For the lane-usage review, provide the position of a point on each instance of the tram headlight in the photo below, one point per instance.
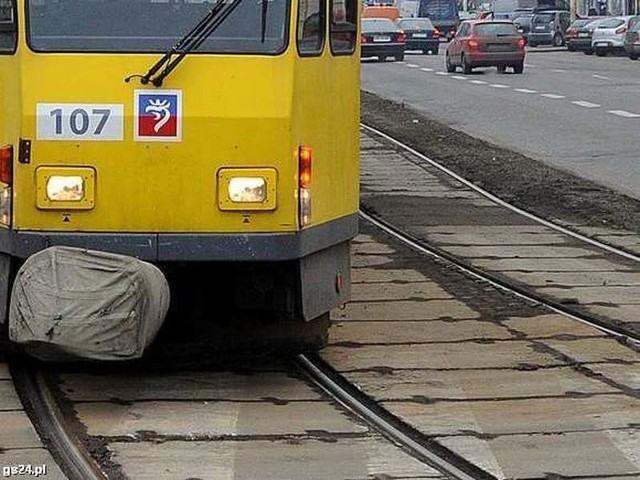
(65, 188)
(247, 189)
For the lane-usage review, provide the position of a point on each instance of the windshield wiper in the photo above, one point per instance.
(191, 41)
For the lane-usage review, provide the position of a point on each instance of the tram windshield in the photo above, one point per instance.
(152, 26)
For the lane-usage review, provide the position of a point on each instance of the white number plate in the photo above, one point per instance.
(80, 121)
(419, 35)
(381, 38)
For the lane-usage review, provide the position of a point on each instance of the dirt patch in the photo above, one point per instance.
(527, 183)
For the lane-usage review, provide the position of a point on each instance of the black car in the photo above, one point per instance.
(382, 38)
(548, 27)
(522, 21)
(421, 34)
(580, 38)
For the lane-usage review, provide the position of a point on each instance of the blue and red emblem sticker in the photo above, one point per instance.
(158, 115)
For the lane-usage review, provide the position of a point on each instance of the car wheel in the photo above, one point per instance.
(382, 58)
(501, 68)
(466, 67)
(588, 52)
(558, 41)
(633, 56)
(571, 48)
(518, 67)
(601, 52)
(399, 57)
(451, 68)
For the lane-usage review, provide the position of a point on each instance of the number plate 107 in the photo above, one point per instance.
(82, 121)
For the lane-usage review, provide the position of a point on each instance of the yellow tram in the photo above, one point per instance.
(216, 139)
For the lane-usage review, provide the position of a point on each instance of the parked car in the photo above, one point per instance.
(584, 34)
(522, 22)
(609, 35)
(548, 27)
(382, 38)
(571, 33)
(486, 43)
(632, 38)
(421, 35)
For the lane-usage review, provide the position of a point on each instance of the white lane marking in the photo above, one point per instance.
(558, 70)
(411, 65)
(622, 113)
(478, 82)
(427, 69)
(529, 66)
(498, 85)
(601, 77)
(553, 96)
(525, 90)
(442, 73)
(458, 77)
(585, 104)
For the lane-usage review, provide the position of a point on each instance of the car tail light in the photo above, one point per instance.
(472, 43)
(6, 164)
(305, 159)
(521, 42)
(436, 33)
(363, 38)
(401, 38)
(621, 30)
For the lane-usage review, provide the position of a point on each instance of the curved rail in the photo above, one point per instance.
(34, 392)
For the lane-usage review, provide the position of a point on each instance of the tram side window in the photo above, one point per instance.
(8, 28)
(344, 26)
(311, 26)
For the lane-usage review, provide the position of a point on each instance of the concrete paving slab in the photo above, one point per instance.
(17, 431)
(495, 239)
(523, 251)
(408, 291)
(364, 238)
(531, 415)
(371, 249)
(369, 260)
(551, 265)
(269, 460)
(584, 455)
(213, 418)
(622, 313)
(543, 326)
(512, 354)
(620, 374)
(8, 396)
(477, 384)
(406, 310)
(36, 457)
(598, 350)
(186, 386)
(509, 230)
(577, 279)
(415, 332)
(378, 275)
(4, 372)
(589, 295)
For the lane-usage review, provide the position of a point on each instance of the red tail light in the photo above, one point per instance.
(305, 158)
(621, 30)
(472, 43)
(6, 164)
(436, 33)
(521, 42)
(363, 38)
(401, 38)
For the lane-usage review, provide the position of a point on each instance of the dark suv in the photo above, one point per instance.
(632, 39)
(548, 27)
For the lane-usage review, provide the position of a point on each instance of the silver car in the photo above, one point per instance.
(609, 35)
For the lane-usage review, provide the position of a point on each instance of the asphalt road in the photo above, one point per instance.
(576, 112)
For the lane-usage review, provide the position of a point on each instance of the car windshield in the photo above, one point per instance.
(634, 24)
(487, 29)
(378, 25)
(611, 23)
(543, 18)
(416, 24)
(151, 26)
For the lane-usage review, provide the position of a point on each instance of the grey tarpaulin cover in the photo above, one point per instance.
(85, 303)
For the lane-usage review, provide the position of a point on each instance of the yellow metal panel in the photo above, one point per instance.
(225, 175)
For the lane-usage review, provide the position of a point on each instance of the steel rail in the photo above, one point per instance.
(34, 392)
(567, 231)
(416, 443)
